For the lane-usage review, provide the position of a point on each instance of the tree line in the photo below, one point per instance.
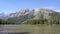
(2, 21)
(52, 20)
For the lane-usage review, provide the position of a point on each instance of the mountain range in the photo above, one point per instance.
(25, 14)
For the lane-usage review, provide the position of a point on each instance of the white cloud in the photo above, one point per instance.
(49, 7)
(52, 8)
(57, 10)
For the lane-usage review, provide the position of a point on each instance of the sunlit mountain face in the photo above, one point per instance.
(25, 14)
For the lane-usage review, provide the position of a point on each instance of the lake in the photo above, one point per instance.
(29, 29)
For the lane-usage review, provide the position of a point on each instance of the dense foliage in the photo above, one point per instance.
(52, 20)
(35, 21)
(5, 22)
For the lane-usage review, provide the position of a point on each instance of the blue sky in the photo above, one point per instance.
(9, 6)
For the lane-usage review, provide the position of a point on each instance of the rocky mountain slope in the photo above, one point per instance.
(25, 14)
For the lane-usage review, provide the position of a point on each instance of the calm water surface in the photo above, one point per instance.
(9, 29)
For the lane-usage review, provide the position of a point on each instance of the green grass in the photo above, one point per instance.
(33, 29)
